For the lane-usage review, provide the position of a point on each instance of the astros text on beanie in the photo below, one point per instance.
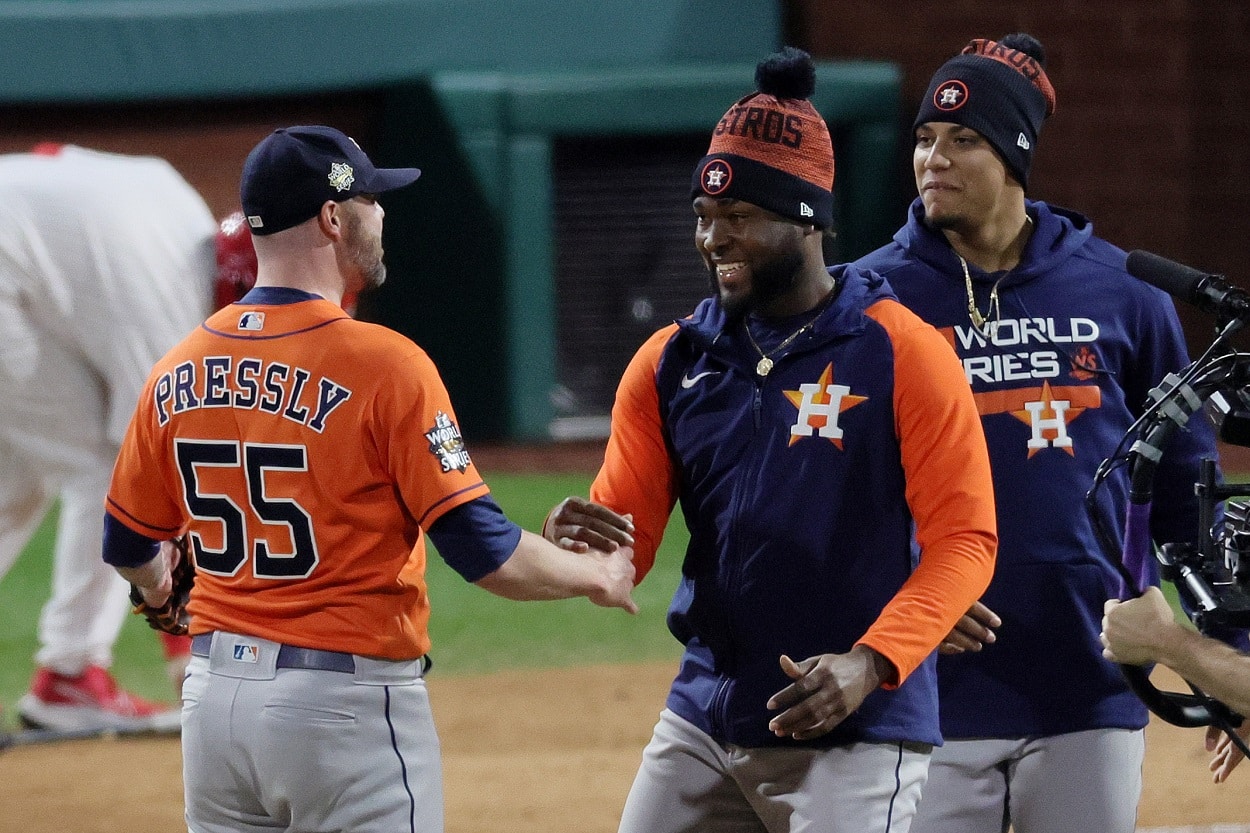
(772, 148)
(999, 90)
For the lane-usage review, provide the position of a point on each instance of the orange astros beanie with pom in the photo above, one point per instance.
(771, 148)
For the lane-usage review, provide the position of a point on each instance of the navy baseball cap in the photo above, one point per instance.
(296, 170)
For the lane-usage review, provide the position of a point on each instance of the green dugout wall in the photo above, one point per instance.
(551, 228)
(486, 252)
(135, 50)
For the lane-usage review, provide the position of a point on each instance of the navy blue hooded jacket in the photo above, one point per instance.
(801, 490)
(1059, 374)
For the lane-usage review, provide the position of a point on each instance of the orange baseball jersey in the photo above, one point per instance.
(304, 453)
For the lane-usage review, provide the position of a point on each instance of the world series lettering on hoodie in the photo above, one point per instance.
(1012, 349)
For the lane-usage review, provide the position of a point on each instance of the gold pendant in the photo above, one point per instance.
(764, 365)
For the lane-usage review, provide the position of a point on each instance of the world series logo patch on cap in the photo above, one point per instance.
(950, 96)
(341, 176)
(716, 176)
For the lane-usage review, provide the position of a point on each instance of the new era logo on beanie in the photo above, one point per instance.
(771, 148)
(1000, 90)
(296, 170)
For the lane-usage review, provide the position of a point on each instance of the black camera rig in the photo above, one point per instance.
(1212, 574)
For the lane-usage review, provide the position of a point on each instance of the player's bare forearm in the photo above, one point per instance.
(154, 579)
(539, 570)
(826, 690)
(1145, 630)
(1219, 670)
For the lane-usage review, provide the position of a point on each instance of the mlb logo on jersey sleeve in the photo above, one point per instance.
(251, 320)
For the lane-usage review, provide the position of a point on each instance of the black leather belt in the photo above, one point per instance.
(290, 656)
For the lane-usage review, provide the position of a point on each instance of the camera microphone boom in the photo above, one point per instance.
(1207, 292)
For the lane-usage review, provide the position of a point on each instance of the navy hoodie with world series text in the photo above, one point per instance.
(1061, 369)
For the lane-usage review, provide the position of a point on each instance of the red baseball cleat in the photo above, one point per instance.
(92, 700)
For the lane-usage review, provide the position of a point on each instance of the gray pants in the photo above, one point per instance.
(269, 749)
(688, 782)
(1057, 784)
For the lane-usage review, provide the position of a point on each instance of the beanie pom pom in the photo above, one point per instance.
(1026, 43)
(789, 73)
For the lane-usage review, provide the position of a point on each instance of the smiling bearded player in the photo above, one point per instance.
(808, 424)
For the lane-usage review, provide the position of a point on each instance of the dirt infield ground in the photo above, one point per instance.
(524, 752)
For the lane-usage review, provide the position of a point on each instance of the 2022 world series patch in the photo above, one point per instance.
(447, 445)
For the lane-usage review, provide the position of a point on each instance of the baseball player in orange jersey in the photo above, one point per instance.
(306, 455)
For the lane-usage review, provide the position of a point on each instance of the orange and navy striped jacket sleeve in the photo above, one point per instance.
(638, 475)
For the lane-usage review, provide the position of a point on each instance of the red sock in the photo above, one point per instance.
(175, 646)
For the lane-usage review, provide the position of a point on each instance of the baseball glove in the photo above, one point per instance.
(171, 617)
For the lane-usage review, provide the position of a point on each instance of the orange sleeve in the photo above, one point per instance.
(138, 494)
(638, 476)
(419, 438)
(949, 491)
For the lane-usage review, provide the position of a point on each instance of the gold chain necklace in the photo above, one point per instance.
(978, 319)
(765, 365)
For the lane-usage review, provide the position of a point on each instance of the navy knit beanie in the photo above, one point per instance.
(999, 90)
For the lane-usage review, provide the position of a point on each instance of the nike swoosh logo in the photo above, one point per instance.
(689, 381)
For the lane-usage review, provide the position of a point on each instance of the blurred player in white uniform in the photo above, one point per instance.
(106, 261)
